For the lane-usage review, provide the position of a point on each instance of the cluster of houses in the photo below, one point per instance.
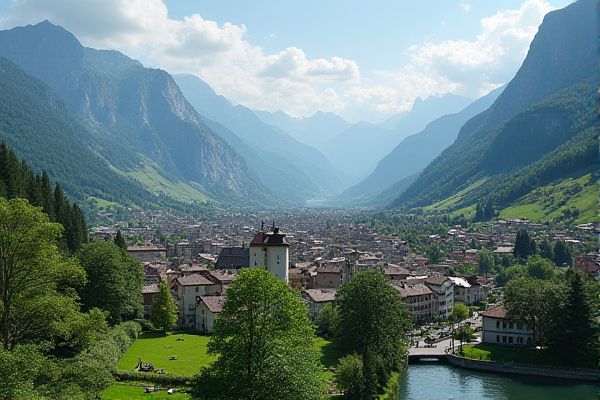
(200, 288)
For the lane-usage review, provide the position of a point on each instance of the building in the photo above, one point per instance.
(326, 277)
(148, 293)
(188, 291)
(147, 253)
(419, 299)
(497, 328)
(443, 292)
(233, 257)
(207, 312)
(271, 250)
(316, 299)
(468, 290)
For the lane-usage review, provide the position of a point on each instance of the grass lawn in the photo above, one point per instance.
(492, 352)
(124, 391)
(157, 349)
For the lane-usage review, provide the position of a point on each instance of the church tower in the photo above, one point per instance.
(271, 250)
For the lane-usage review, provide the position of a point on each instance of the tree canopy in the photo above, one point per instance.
(373, 323)
(115, 281)
(163, 314)
(265, 343)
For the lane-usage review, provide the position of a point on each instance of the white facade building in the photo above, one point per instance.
(498, 329)
(271, 250)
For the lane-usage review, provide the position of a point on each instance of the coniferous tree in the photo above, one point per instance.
(546, 249)
(163, 314)
(563, 254)
(522, 245)
(120, 240)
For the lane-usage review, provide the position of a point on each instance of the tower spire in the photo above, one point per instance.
(262, 226)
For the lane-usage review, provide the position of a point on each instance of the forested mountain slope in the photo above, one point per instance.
(549, 102)
(139, 119)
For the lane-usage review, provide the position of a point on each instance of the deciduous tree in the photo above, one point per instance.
(265, 344)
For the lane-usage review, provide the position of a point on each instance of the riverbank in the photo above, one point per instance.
(578, 374)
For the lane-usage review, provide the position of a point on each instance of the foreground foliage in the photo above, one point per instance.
(372, 333)
(265, 344)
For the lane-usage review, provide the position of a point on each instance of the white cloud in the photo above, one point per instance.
(492, 57)
(290, 80)
(466, 7)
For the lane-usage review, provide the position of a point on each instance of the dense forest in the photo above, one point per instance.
(17, 180)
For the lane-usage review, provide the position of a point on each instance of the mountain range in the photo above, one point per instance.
(111, 130)
(282, 163)
(413, 154)
(137, 119)
(541, 128)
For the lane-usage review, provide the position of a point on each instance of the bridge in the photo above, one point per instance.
(422, 353)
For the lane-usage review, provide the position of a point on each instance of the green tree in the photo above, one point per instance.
(459, 312)
(265, 344)
(373, 324)
(573, 336)
(349, 377)
(546, 249)
(115, 281)
(485, 261)
(163, 314)
(328, 319)
(563, 254)
(522, 245)
(540, 268)
(119, 240)
(32, 303)
(434, 253)
(19, 369)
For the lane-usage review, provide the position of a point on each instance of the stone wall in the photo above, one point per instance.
(588, 375)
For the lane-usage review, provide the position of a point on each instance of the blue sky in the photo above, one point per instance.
(362, 60)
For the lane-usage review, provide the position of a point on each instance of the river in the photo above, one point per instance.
(442, 382)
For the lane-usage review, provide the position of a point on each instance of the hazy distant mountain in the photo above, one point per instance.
(141, 122)
(295, 170)
(359, 148)
(315, 130)
(424, 111)
(542, 127)
(415, 152)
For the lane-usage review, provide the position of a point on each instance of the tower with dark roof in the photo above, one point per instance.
(271, 250)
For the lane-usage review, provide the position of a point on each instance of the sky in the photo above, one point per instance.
(364, 60)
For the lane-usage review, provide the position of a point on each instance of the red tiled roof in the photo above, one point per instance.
(495, 312)
(194, 280)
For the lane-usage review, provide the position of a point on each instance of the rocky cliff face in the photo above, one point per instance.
(135, 114)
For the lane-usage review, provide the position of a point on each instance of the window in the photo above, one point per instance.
(519, 340)
(197, 289)
(498, 324)
(503, 339)
(504, 325)
(510, 339)
(511, 325)
(498, 338)
(520, 326)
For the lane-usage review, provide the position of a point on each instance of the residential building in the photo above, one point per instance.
(188, 290)
(443, 292)
(316, 299)
(419, 299)
(147, 253)
(207, 312)
(497, 328)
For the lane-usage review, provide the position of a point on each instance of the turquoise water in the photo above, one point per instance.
(443, 382)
